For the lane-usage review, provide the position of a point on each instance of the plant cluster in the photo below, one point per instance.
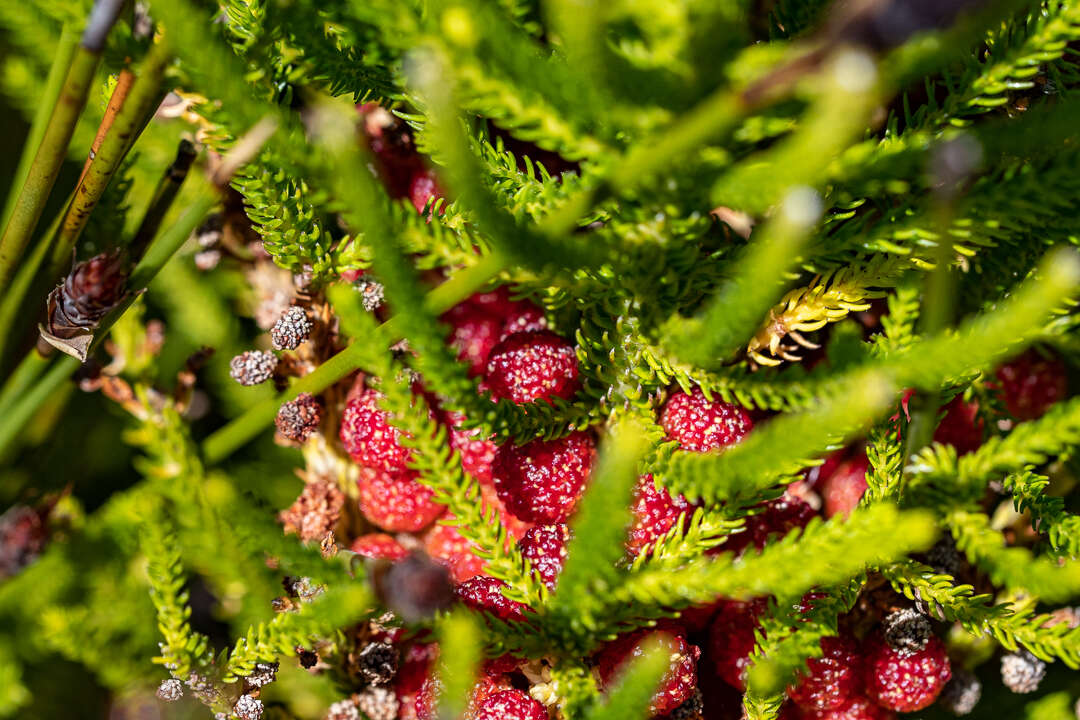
(544, 360)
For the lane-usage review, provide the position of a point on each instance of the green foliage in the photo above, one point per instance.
(699, 195)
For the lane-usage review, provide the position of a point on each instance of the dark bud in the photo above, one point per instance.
(907, 631)
(378, 663)
(962, 693)
(885, 24)
(414, 588)
(298, 418)
(77, 306)
(211, 231)
(23, 534)
(945, 558)
(253, 367)
(291, 329)
(308, 658)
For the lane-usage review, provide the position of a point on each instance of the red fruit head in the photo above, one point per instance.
(544, 546)
(832, 680)
(654, 513)
(367, 435)
(485, 593)
(510, 705)
(378, 545)
(1031, 384)
(844, 488)
(449, 548)
(397, 503)
(902, 681)
(678, 683)
(701, 425)
(541, 481)
(530, 366)
(731, 639)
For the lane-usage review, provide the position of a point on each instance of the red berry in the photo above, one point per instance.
(416, 663)
(485, 593)
(777, 518)
(678, 683)
(367, 435)
(961, 427)
(545, 548)
(515, 526)
(397, 502)
(844, 488)
(378, 545)
(449, 548)
(474, 332)
(905, 681)
(701, 425)
(655, 511)
(476, 452)
(427, 699)
(1031, 384)
(529, 366)
(541, 481)
(731, 639)
(523, 317)
(833, 679)
(510, 705)
(858, 708)
(424, 188)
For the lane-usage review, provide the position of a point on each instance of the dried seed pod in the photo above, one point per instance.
(170, 690)
(253, 367)
(907, 631)
(378, 703)
(962, 693)
(1022, 672)
(248, 708)
(291, 329)
(378, 662)
(298, 418)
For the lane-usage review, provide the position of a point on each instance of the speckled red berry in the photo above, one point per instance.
(858, 708)
(473, 333)
(1031, 384)
(396, 502)
(775, 519)
(843, 489)
(446, 545)
(832, 680)
(655, 511)
(510, 705)
(530, 366)
(678, 683)
(701, 425)
(961, 427)
(544, 547)
(522, 317)
(485, 593)
(424, 188)
(541, 481)
(477, 452)
(378, 545)
(901, 681)
(731, 639)
(367, 435)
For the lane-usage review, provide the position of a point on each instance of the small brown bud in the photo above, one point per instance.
(298, 418)
(291, 329)
(253, 367)
(170, 690)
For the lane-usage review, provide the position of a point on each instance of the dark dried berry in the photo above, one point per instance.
(378, 662)
(308, 658)
(316, 512)
(1022, 672)
(962, 693)
(300, 417)
(170, 690)
(692, 709)
(248, 708)
(253, 367)
(23, 534)
(291, 329)
(906, 631)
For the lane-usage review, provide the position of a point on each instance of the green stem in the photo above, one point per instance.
(47, 162)
(65, 51)
(20, 413)
(226, 440)
(164, 195)
(166, 244)
(24, 376)
(119, 138)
